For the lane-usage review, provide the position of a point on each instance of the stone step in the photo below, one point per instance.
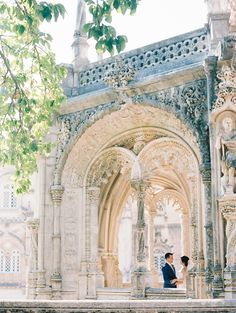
(167, 293)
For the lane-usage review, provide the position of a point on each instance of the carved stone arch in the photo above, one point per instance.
(115, 124)
(170, 193)
(109, 161)
(172, 157)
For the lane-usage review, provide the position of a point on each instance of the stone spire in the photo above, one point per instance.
(80, 44)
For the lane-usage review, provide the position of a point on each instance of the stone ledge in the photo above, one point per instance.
(112, 306)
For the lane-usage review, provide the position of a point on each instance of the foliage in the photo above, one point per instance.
(100, 28)
(30, 80)
(30, 85)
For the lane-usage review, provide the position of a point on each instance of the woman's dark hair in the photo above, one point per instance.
(185, 260)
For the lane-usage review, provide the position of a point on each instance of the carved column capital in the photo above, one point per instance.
(228, 209)
(93, 194)
(205, 170)
(56, 192)
(139, 186)
(33, 224)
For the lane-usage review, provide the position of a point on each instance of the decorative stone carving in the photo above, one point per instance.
(228, 209)
(33, 225)
(112, 161)
(226, 144)
(120, 75)
(56, 193)
(227, 47)
(227, 87)
(185, 102)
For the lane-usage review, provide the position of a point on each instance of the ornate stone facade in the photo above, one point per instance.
(152, 132)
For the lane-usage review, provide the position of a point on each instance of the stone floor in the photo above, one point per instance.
(119, 306)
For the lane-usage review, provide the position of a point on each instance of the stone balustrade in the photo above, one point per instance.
(192, 45)
(119, 306)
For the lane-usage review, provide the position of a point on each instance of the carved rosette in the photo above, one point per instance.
(226, 88)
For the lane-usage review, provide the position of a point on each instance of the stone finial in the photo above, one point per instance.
(80, 44)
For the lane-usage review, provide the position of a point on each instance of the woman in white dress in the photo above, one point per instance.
(183, 272)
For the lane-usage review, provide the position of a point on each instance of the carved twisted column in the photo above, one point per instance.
(33, 226)
(217, 284)
(56, 279)
(228, 210)
(139, 276)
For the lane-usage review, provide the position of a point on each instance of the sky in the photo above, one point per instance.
(154, 20)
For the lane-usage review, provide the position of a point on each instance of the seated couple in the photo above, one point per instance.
(169, 274)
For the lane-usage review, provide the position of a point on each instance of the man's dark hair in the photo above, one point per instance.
(168, 254)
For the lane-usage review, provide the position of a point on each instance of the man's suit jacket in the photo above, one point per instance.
(168, 275)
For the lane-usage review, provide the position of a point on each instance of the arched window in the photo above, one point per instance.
(10, 262)
(8, 198)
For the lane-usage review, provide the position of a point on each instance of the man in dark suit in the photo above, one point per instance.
(168, 271)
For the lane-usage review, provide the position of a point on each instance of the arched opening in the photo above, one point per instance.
(135, 145)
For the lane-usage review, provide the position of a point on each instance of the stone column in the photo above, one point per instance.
(217, 283)
(43, 291)
(56, 278)
(228, 209)
(94, 276)
(140, 276)
(206, 179)
(154, 275)
(33, 225)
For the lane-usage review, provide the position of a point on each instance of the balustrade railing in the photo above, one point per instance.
(160, 53)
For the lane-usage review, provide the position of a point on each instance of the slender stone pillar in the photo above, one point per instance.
(217, 283)
(206, 179)
(33, 226)
(154, 275)
(140, 275)
(228, 208)
(43, 291)
(56, 278)
(94, 276)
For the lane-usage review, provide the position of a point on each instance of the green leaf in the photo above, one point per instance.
(19, 28)
(116, 4)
